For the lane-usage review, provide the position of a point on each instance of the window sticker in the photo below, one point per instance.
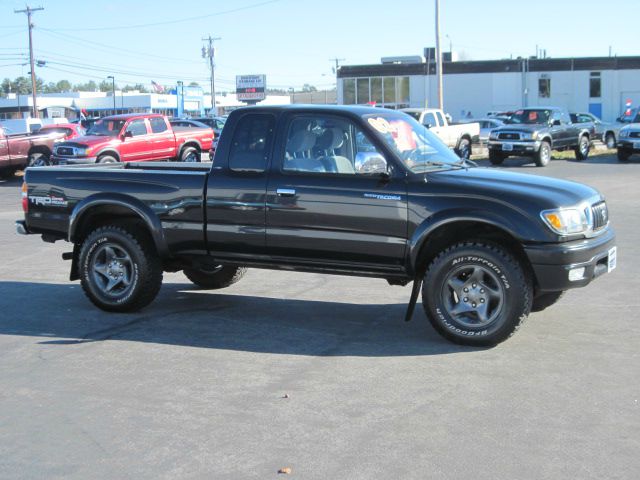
(381, 125)
(533, 116)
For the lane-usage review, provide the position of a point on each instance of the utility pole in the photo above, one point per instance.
(113, 92)
(210, 53)
(29, 11)
(337, 60)
(439, 58)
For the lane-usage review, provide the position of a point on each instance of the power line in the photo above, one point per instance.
(171, 22)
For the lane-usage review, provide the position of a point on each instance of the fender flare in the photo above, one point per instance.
(138, 208)
(109, 151)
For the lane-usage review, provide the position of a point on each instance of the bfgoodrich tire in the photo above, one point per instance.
(119, 271)
(221, 276)
(476, 293)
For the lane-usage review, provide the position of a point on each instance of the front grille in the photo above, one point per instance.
(67, 151)
(509, 136)
(634, 134)
(600, 215)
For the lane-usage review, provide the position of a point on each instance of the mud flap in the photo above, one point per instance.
(415, 291)
(73, 274)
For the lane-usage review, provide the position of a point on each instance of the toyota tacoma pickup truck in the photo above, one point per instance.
(535, 132)
(134, 137)
(457, 136)
(18, 150)
(343, 190)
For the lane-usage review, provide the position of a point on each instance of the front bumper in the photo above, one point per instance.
(55, 160)
(552, 263)
(514, 148)
(631, 145)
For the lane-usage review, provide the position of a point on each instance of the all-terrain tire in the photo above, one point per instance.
(221, 277)
(545, 300)
(476, 293)
(119, 270)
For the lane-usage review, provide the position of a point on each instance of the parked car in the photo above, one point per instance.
(217, 123)
(68, 130)
(606, 132)
(629, 140)
(535, 132)
(290, 189)
(186, 123)
(19, 150)
(132, 138)
(457, 136)
(486, 125)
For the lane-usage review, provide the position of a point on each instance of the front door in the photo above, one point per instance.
(136, 145)
(330, 200)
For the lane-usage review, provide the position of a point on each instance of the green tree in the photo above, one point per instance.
(63, 86)
(138, 86)
(90, 86)
(309, 88)
(107, 86)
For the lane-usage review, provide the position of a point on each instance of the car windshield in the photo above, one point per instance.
(633, 117)
(415, 145)
(106, 127)
(530, 117)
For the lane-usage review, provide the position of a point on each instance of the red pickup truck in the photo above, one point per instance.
(133, 138)
(19, 150)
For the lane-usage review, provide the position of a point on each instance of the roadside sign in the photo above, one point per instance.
(251, 87)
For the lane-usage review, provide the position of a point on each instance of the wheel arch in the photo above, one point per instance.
(108, 151)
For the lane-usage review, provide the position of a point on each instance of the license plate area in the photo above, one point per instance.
(508, 147)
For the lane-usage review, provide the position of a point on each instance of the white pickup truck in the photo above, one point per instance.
(457, 136)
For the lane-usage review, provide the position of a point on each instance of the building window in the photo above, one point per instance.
(376, 90)
(403, 90)
(362, 91)
(595, 85)
(349, 91)
(544, 87)
(389, 90)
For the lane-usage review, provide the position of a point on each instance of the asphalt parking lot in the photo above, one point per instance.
(316, 373)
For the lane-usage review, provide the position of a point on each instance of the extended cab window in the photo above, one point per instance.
(137, 127)
(329, 145)
(158, 125)
(250, 143)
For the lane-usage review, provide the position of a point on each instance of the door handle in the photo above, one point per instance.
(285, 192)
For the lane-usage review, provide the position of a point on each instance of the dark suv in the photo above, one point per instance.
(535, 132)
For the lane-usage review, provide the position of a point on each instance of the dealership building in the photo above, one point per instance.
(600, 85)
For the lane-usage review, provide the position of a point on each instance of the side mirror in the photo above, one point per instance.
(427, 125)
(371, 162)
(556, 123)
(127, 134)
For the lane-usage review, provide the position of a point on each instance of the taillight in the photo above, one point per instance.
(25, 197)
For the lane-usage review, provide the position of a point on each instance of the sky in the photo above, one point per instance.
(293, 41)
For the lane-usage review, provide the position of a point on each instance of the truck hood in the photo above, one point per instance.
(90, 141)
(520, 127)
(525, 191)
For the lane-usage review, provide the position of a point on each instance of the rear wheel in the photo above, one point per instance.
(119, 270)
(496, 158)
(623, 155)
(38, 160)
(543, 156)
(476, 293)
(190, 154)
(464, 149)
(220, 276)
(582, 150)
(610, 141)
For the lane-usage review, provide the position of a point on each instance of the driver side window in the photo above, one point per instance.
(137, 127)
(329, 145)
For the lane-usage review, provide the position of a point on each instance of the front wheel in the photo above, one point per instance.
(221, 276)
(543, 156)
(623, 155)
(476, 293)
(496, 158)
(107, 159)
(119, 271)
(582, 150)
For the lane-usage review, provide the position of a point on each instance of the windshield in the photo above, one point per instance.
(632, 117)
(530, 117)
(106, 127)
(416, 146)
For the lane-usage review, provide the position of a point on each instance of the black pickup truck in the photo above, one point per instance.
(535, 132)
(342, 190)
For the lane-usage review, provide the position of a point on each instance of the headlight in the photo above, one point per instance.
(493, 135)
(529, 136)
(82, 151)
(623, 133)
(566, 221)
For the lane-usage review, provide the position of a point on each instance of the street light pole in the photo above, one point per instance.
(113, 92)
(29, 11)
(439, 58)
(180, 96)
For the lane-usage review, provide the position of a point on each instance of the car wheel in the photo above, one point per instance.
(545, 300)
(107, 159)
(221, 276)
(543, 156)
(496, 158)
(190, 154)
(7, 172)
(623, 155)
(476, 293)
(610, 141)
(464, 149)
(119, 271)
(38, 160)
(582, 150)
